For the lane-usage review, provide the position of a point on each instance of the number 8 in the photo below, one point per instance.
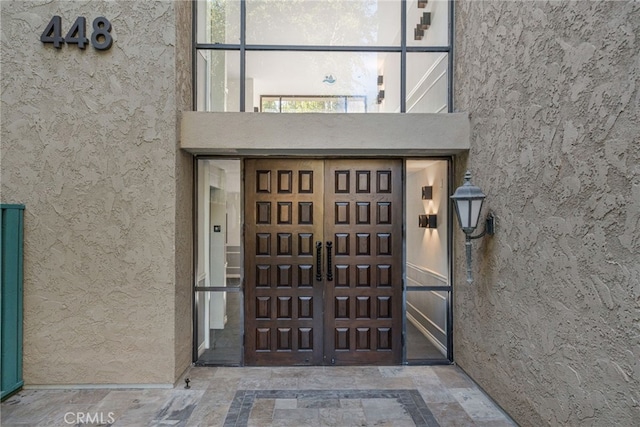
(101, 28)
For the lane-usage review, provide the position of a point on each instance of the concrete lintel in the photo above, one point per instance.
(324, 134)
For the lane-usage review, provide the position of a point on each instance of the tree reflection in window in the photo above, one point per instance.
(313, 104)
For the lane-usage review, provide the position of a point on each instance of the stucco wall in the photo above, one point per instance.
(551, 325)
(89, 145)
(184, 195)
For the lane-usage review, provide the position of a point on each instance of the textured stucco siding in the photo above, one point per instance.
(184, 195)
(89, 145)
(551, 325)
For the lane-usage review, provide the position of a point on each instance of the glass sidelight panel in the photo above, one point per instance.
(426, 327)
(428, 295)
(218, 296)
(219, 339)
(427, 194)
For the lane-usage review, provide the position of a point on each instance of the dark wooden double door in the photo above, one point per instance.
(323, 262)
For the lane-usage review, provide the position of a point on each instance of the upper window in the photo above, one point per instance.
(390, 55)
(323, 23)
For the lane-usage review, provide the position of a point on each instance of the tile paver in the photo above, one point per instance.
(395, 396)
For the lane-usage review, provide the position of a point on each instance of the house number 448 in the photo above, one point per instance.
(100, 37)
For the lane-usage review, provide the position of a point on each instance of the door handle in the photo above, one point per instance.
(318, 261)
(329, 267)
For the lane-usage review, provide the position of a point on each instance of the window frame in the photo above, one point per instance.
(403, 49)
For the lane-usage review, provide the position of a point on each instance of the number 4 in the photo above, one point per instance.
(53, 32)
(77, 33)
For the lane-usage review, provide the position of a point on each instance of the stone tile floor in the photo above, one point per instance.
(263, 397)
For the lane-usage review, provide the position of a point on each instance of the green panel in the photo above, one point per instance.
(11, 253)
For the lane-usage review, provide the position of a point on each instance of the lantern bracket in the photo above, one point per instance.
(489, 227)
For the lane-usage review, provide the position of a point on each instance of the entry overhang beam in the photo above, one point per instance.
(324, 134)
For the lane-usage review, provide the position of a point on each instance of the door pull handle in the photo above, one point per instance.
(319, 261)
(329, 266)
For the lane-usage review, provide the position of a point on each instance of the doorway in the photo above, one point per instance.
(299, 218)
(323, 261)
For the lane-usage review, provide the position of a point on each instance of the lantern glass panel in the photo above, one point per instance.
(476, 205)
(463, 208)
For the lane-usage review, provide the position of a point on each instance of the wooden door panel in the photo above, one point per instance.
(283, 299)
(363, 303)
(349, 313)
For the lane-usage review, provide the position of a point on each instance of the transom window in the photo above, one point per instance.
(343, 56)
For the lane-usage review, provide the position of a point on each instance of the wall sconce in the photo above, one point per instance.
(427, 192)
(418, 33)
(380, 80)
(428, 221)
(380, 96)
(425, 21)
(422, 4)
(467, 201)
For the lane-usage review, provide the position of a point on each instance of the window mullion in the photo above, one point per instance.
(243, 56)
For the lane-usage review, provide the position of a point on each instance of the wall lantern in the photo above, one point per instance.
(428, 221)
(467, 201)
(427, 192)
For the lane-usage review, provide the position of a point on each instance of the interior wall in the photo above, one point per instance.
(234, 222)
(438, 32)
(232, 93)
(217, 255)
(390, 69)
(427, 82)
(234, 232)
(426, 247)
(204, 218)
(549, 327)
(303, 73)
